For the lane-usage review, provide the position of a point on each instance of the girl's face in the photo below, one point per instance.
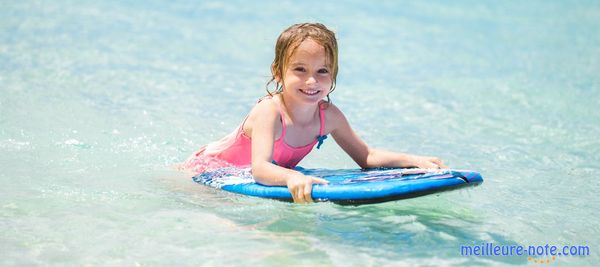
(307, 77)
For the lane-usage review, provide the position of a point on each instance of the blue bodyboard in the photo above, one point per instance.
(348, 186)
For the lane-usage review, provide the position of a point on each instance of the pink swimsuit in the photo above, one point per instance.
(235, 149)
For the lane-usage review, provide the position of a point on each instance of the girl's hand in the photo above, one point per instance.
(428, 163)
(300, 187)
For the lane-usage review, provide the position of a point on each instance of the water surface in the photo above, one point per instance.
(98, 100)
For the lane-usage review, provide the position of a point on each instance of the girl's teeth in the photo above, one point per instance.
(310, 92)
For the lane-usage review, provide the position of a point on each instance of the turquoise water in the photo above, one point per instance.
(98, 100)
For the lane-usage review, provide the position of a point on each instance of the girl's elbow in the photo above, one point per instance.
(257, 170)
(364, 163)
(367, 162)
(255, 166)
(365, 166)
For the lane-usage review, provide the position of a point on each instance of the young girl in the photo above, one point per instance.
(284, 126)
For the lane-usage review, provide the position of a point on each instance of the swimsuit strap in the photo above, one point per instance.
(280, 113)
(282, 121)
(321, 137)
(321, 118)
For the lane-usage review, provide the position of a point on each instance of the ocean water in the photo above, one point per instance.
(99, 99)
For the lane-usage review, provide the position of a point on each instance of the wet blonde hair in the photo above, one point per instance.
(290, 39)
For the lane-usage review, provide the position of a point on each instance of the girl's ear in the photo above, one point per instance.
(275, 74)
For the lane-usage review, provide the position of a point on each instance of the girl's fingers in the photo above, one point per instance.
(294, 197)
(296, 194)
(439, 164)
(316, 180)
(431, 165)
(307, 193)
(299, 195)
(436, 161)
(302, 192)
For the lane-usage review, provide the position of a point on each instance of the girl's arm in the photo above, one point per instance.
(264, 120)
(367, 157)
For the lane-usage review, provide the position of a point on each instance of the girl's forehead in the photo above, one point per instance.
(308, 49)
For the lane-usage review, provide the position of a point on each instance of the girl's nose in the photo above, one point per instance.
(311, 80)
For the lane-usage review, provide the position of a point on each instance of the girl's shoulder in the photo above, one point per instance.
(331, 110)
(266, 107)
(264, 113)
(268, 103)
(334, 117)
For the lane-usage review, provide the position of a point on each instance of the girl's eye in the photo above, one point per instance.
(299, 69)
(323, 71)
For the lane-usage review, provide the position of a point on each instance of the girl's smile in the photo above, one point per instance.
(310, 92)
